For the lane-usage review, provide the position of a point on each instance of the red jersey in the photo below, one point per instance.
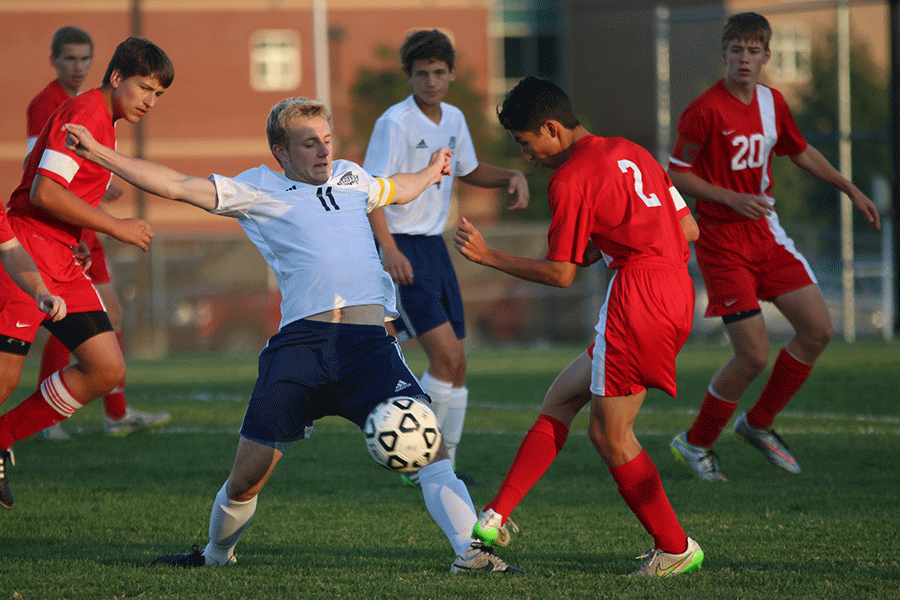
(614, 192)
(42, 107)
(49, 158)
(6, 233)
(730, 144)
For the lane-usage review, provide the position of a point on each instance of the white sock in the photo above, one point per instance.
(452, 426)
(439, 392)
(227, 523)
(449, 503)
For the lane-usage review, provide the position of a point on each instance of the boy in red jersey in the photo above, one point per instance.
(58, 196)
(722, 158)
(71, 54)
(608, 198)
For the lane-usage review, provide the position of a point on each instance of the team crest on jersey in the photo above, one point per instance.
(452, 144)
(348, 178)
(421, 145)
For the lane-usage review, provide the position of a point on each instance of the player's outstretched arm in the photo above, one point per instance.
(489, 176)
(25, 274)
(411, 185)
(149, 176)
(471, 244)
(812, 161)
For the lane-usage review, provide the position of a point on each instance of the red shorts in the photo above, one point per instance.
(644, 323)
(98, 271)
(743, 262)
(20, 317)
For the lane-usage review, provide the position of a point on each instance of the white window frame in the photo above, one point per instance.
(275, 60)
(791, 47)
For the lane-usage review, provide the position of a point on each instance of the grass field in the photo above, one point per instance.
(90, 513)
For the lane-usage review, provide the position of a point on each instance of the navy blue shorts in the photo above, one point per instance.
(310, 370)
(433, 298)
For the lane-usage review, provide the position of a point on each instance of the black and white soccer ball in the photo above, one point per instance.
(402, 434)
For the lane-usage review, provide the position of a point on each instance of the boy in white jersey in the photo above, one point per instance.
(722, 158)
(332, 354)
(412, 249)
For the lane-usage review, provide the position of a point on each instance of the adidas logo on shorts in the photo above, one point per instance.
(401, 385)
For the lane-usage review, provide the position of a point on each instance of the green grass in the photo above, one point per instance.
(90, 513)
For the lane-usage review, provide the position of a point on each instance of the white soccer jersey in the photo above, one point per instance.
(316, 238)
(402, 142)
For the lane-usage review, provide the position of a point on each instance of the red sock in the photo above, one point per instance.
(712, 419)
(54, 358)
(114, 403)
(49, 405)
(788, 375)
(640, 487)
(536, 453)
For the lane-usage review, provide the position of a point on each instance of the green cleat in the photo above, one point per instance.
(662, 564)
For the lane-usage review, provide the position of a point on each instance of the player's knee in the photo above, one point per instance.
(7, 387)
(752, 364)
(109, 376)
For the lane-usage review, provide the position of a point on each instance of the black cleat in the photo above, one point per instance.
(194, 558)
(6, 460)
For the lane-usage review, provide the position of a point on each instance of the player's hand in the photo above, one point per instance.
(518, 186)
(441, 158)
(397, 266)
(82, 255)
(591, 254)
(750, 206)
(867, 208)
(469, 242)
(112, 193)
(79, 140)
(134, 231)
(52, 305)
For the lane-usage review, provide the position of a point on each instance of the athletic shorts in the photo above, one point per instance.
(20, 317)
(643, 324)
(433, 298)
(99, 270)
(309, 370)
(743, 262)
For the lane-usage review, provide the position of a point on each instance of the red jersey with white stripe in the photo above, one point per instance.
(730, 144)
(41, 108)
(614, 192)
(49, 158)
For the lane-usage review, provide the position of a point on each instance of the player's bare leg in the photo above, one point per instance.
(10, 372)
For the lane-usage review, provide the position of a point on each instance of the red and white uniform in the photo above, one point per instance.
(614, 193)
(47, 239)
(730, 144)
(42, 107)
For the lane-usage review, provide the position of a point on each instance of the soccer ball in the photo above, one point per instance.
(402, 434)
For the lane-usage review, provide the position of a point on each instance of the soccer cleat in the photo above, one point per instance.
(489, 529)
(7, 458)
(468, 479)
(194, 558)
(768, 442)
(662, 564)
(134, 421)
(410, 479)
(703, 463)
(55, 433)
(481, 558)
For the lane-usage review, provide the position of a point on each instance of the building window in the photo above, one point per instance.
(791, 53)
(274, 60)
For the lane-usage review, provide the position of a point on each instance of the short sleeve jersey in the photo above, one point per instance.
(316, 238)
(49, 158)
(730, 144)
(41, 108)
(614, 192)
(402, 142)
